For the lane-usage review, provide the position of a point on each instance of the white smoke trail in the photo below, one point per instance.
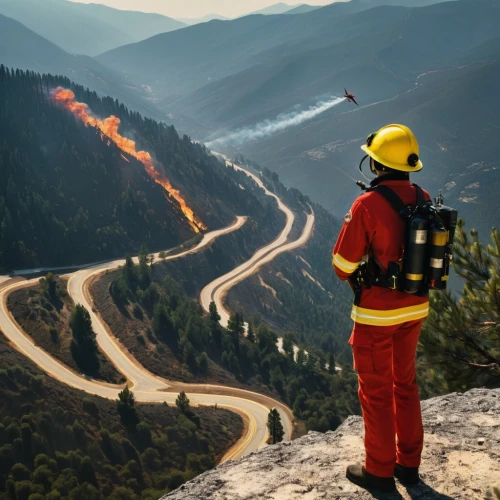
(281, 122)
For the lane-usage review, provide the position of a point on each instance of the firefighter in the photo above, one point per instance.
(387, 321)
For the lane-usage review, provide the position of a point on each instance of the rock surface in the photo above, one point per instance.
(461, 460)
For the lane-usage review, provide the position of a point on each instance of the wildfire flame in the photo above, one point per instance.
(109, 128)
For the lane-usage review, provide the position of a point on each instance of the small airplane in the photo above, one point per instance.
(350, 97)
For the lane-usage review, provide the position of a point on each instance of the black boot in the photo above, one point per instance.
(358, 475)
(407, 475)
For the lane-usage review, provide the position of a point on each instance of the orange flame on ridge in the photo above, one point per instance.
(109, 128)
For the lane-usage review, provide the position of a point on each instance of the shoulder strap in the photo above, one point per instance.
(421, 201)
(393, 199)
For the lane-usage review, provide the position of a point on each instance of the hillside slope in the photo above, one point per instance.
(86, 28)
(182, 61)
(455, 125)
(374, 42)
(68, 195)
(277, 8)
(137, 25)
(59, 442)
(22, 48)
(461, 459)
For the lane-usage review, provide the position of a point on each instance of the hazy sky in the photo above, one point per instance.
(198, 8)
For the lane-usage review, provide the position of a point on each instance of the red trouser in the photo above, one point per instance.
(384, 358)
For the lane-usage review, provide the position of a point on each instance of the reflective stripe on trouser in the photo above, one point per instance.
(390, 317)
(385, 361)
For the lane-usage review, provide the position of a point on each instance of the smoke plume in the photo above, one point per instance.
(109, 129)
(282, 122)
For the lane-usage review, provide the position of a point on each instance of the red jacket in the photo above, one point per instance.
(373, 226)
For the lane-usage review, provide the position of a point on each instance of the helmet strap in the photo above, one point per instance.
(361, 168)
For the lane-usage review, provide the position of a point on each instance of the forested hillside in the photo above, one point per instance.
(168, 332)
(57, 442)
(299, 293)
(449, 97)
(66, 196)
(455, 126)
(23, 48)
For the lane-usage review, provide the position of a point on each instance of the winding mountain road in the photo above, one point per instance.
(147, 386)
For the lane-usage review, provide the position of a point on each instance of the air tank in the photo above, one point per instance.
(415, 254)
(449, 217)
(438, 243)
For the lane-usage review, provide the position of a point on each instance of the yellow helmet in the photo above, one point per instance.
(394, 146)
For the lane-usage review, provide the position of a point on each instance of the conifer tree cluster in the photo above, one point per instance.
(175, 326)
(83, 345)
(56, 444)
(67, 196)
(461, 338)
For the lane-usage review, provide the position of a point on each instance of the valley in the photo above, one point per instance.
(169, 304)
(147, 387)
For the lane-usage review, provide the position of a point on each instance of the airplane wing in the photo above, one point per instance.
(346, 93)
(354, 100)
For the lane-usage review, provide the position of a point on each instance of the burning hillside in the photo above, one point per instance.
(109, 129)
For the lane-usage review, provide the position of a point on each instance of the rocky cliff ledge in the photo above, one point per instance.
(461, 460)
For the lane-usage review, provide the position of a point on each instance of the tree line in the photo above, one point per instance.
(56, 444)
(67, 197)
(308, 383)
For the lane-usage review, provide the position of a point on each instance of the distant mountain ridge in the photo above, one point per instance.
(88, 29)
(302, 9)
(277, 8)
(190, 21)
(139, 25)
(182, 61)
(177, 63)
(375, 54)
(22, 48)
(456, 126)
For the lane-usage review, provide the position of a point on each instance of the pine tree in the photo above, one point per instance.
(236, 324)
(331, 363)
(182, 402)
(461, 336)
(251, 333)
(288, 347)
(126, 408)
(214, 314)
(83, 345)
(236, 327)
(301, 357)
(49, 283)
(275, 427)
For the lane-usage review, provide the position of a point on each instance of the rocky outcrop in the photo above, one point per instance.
(461, 460)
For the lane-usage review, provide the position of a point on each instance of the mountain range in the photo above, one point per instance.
(91, 171)
(258, 69)
(190, 21)
(277, 8)
(282, 8)
(88, 29)
(22, 48)
(214, 82)
(185, 60)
